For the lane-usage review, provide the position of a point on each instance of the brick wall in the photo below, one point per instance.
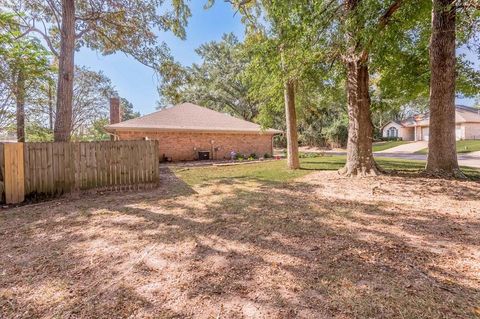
(185, 146)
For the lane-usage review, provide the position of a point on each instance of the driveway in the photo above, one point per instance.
(469, 159)
(408, 148)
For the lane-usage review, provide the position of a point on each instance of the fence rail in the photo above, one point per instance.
(57, 168)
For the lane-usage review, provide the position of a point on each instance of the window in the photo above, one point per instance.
(392, 132)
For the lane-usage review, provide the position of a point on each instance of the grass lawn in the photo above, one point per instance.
(276, 171)
(381, 146)
(249, 241)
(464, 146)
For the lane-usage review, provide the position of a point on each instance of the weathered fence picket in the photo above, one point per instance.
(57, 168)
(13, 173)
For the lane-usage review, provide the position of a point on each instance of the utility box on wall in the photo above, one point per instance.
(203, 155)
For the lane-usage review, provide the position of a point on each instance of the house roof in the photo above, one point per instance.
(188, 117)
(463, 114)
(466, 114)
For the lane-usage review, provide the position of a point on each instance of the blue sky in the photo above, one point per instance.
(138, 84)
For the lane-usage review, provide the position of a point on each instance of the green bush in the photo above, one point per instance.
(310, 155)
(266, 155)
(387, 139)
(336, 133)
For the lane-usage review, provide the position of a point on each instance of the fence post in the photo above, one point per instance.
(14, 178)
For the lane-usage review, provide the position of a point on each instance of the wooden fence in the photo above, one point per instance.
(57, 168)
(14, 175)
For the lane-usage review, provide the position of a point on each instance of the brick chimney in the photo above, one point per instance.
(115, 113)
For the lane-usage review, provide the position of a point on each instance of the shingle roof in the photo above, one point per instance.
(466, 114)
(189, 117)
(463, 114)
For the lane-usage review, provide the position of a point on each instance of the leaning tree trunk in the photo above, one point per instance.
(291, 117)
(63, 119)
(20, 101)
(360, 159)
(442, 155)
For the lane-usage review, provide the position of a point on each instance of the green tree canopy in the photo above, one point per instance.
(216, 82)
(128, 110)
(24, 63)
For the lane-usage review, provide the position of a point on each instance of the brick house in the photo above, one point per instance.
(191, 132)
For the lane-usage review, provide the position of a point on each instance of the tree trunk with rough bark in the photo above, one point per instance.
(20, 101)
(291, 117)
(50, 106)
(442, 154)
(360, 161)
(63, 119)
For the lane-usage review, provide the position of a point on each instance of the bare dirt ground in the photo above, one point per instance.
(319, 247)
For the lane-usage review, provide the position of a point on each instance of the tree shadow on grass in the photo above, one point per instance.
(420, 184)
(296, 261)
(257, 249)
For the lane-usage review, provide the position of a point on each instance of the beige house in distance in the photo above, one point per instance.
(190, 132)
(416, 128)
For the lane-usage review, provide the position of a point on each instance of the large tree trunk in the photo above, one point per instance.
(291, 117)
(63, 119)
(20, 101)
(442, 155)
(360, 159)
(50, 106)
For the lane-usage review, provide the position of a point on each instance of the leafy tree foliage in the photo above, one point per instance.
(128, 111)
(380, 48)
(95, 132)
(106, 26)
(23, 63)
(7, 109)
(216, 82)
(92, 91)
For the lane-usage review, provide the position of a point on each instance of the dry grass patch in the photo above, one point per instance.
(317, 247)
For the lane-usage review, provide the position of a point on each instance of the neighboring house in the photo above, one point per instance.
(416, 128)
(190, 132)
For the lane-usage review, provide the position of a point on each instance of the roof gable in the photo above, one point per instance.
(189, 117)
(463, 114)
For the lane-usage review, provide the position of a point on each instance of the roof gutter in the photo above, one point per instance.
(187, 130)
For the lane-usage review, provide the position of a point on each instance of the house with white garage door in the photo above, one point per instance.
(416, 128)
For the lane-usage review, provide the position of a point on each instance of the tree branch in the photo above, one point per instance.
(56, 13)
(46, 38)
(81, 33)
(386, 17)
(32, 28)
(382, 24)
